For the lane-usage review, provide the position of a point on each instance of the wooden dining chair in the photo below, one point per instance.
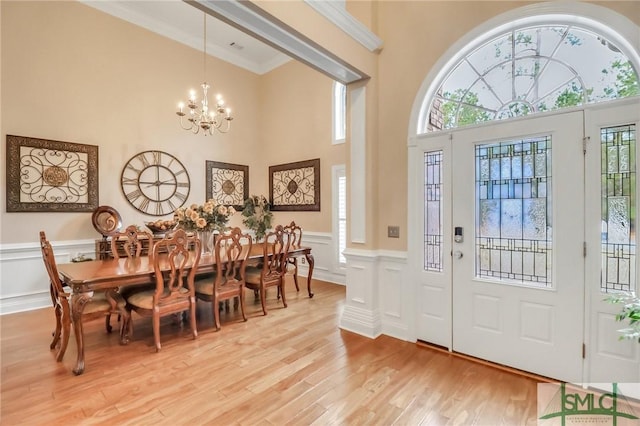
(174, 290)
(274, 250)
(231, 251)
(296, 241)
(99, 305)
(131, 242)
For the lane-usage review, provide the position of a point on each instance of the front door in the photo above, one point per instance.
(527, 227)
(506, 284)
(518, 284)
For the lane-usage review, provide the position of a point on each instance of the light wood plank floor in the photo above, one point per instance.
(294, 366)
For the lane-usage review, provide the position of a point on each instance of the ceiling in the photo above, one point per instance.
(183, 23)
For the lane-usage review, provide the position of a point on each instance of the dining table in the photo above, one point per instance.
(84, 278)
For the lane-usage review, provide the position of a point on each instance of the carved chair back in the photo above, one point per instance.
(296, 233)
(176, 282)
(275, 250)
(231, 251)
(56, 289)
(133, 242)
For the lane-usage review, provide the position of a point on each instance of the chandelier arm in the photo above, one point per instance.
(191, 127)
(226, 128)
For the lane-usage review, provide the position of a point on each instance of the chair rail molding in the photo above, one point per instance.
(321, 244)
(378, 299)
(24, 284)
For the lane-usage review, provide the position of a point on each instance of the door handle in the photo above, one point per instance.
(457, 254)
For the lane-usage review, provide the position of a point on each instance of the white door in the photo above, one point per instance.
(431, 159)
(612, 237)
(518, 271)
(531, 314)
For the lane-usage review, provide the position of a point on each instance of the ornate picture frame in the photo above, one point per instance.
(227, 183)
(51, 176)
(295, 186)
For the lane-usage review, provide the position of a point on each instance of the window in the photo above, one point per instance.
(618, 200)
(531, 69)
(513, 211)
(433, 211)
(340, 212)
(339, 112)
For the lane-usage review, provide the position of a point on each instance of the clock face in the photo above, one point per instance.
(156, 183)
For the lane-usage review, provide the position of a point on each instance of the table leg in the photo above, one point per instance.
(114, 298)
(311, 261)
(78, 301)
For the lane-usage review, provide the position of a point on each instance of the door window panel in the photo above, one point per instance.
(433, 211)
(618, 201)
(513, 211)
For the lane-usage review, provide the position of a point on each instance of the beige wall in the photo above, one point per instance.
(305, 20)
(416, 35)
(298, 100)
(74, 74)
(71, 73)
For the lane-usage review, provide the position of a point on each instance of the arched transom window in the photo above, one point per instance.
(532, 69)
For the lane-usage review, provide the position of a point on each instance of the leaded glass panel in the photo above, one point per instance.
(433, 211)
(618, 201)
(513, 211)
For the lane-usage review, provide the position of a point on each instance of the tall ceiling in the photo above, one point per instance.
(182, 22)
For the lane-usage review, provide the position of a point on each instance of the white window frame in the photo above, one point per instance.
(339, 113)
(339, 172)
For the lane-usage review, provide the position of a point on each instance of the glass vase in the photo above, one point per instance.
(206, 242)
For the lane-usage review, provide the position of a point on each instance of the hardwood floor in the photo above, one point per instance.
(294, 366)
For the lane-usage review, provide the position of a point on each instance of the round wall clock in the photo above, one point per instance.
(155, 182)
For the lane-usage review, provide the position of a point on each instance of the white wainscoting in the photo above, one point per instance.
(24, 284)
(378, 297)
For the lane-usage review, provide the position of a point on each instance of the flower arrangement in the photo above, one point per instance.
(207, 217)
(257, 215)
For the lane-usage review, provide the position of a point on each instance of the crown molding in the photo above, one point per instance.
(120, 10)
(338, 15)
(256, 22)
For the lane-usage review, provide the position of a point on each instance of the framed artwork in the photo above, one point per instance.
(51, 176)
(228, 184)
(295, 186)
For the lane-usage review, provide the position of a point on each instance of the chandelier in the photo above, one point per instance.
(203, 117)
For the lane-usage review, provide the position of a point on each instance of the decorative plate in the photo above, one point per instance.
(106, 220)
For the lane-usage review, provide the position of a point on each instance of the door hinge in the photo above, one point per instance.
(584, 144)
(584, 249)
(584, 351)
